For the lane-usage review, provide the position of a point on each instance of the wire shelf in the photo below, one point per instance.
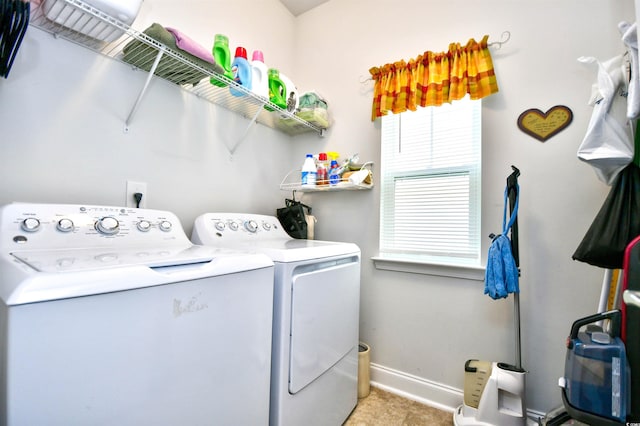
(82, 24)
(344, 185)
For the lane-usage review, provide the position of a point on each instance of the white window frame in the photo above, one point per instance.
(423, 252)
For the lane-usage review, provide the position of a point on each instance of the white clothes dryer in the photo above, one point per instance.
(314, 374)
(111, 316)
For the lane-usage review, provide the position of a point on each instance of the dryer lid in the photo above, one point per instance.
(291, 250)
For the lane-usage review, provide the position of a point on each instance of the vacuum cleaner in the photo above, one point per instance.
(597, 378)
(601, 386)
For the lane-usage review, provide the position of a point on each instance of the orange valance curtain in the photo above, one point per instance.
(434, 78)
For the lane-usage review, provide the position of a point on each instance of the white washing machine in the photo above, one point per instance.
(111, 316)
(314, 373)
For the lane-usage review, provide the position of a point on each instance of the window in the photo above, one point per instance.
(430, 193)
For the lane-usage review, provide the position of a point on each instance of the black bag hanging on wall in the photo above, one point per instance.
(292, 218)
(615, 225)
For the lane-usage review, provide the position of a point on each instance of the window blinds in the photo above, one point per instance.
(430, 176)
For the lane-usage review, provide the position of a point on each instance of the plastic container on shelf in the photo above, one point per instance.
(334, 172)
(322, 177)
(291, 93)
(223, 58)
(241, 70)
(259, 75)
(277, 90)
(309, 171)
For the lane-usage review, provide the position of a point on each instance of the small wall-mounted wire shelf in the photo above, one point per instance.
(289, 184)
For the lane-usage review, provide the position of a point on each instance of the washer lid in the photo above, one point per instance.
(38, 276)
(74, 260)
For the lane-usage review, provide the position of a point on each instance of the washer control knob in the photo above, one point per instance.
(108, 225)
(266, 226)
(144, 225)
(251, 226)
(165, 226)
(65, 225)
(30, 224)
(220, 225)
(233, 226)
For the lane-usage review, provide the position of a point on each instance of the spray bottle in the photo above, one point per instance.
(334, 173)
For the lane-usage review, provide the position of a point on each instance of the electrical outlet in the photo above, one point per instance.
(132, 188)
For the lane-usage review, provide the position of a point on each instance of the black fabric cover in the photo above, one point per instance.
(292, 219)
(615, 225)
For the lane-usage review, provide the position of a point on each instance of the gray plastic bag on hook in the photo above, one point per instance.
(608, 143)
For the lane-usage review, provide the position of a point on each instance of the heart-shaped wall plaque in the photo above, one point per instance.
(544, 125)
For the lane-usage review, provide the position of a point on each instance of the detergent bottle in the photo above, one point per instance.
(291, 93)
(259, 75)
(322, 175)
(309, 171)
(241, 70)
(334, 168)
(223, 58)
(277, 90)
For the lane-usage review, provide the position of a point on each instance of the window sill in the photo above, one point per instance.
(475, 273)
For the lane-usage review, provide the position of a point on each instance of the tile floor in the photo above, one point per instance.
(382, 408)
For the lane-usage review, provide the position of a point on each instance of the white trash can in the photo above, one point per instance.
(364, 359)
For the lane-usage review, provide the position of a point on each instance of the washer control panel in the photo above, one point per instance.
(240, 227)
(67, 226)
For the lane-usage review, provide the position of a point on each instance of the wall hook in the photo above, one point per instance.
(364, 79)
(505, 37)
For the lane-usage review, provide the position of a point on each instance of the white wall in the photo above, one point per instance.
(63, 108)
(427, 326)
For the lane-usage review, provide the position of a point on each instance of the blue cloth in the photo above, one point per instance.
(501, 275)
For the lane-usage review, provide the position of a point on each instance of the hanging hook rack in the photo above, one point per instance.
(504, 37)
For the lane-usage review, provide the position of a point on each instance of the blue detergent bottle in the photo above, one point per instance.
(277, 90)
(241, 70)
(222, 56)
(334, 169)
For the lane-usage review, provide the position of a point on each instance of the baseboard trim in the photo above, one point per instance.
(434, 394)
(415, 388)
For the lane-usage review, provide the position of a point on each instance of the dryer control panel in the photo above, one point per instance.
(238, 227)
(68, 226)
